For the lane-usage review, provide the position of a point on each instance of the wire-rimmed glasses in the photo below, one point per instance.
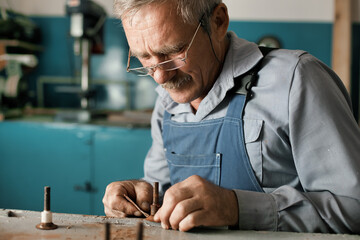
(168, 65)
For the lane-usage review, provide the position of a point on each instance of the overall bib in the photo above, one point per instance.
(214, 149)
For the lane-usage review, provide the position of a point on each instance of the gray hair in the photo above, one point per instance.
(191, 11)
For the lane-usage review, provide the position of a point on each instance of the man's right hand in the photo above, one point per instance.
(117, 206)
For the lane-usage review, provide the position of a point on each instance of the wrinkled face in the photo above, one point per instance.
(156, 34)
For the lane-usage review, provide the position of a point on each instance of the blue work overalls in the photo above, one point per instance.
(213, 149)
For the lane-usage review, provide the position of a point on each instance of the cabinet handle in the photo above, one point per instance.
(86, 187)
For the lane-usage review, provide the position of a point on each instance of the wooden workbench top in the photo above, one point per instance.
(19, 224)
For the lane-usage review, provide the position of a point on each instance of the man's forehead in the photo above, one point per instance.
(152, 13)
(161, 35)
(167, 35)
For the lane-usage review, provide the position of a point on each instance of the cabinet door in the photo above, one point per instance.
(119, 155)
(34, 155)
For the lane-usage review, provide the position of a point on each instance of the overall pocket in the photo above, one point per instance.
(183, 166)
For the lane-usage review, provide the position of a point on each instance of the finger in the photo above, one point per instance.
(157, 215)
(120, 204)
(143, 192)
(192, 220)
(183, 209)
(157, 218)
(168, 206)
(114, 202)
(172, 197)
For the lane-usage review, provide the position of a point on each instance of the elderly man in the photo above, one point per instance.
(239, 139)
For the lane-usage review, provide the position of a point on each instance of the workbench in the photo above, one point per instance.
(19, 224)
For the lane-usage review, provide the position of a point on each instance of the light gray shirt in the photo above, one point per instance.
(301, 138)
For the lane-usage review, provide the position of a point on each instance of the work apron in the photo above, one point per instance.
(212, 149)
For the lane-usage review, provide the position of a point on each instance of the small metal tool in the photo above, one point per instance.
(46, 215)
(107, 231)
(139, 230)
(155, 205)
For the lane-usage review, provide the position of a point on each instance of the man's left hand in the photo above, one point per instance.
(197, 202)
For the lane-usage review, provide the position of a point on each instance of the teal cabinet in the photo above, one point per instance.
(119, 155)
(77, 161)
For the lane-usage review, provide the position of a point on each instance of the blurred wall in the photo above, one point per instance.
(298, 24)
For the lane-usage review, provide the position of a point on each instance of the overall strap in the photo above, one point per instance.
(245, 82)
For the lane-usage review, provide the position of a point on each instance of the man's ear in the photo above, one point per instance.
(219, 21)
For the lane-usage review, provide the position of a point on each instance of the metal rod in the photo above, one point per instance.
(47, 198)
(155, 205)
(107, 231)
(139, 231)
(156, 193)
(46, 215)
(85, 71)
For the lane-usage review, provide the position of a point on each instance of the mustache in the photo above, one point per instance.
(177, 82)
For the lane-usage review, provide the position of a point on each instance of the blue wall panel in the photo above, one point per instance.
(316, 38)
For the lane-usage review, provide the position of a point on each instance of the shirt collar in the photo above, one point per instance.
(241, 57)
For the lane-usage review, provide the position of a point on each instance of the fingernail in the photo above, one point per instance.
(137, 214)
(164, 226)
(145, 206)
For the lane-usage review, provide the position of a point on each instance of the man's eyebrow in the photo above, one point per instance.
(171, 49)
(166, 50)
(138, 54)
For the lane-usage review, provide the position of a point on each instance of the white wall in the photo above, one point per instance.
(286, 10)
(281, 10)
(252, 10)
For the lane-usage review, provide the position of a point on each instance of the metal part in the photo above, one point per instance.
(155, 204)
(87, 20)
(46, 216)
(139, 230)
(137, 207)
(46, 226)
(86, 187)
(11, 214)
(107, 231)
(85, 72)
(47, 198)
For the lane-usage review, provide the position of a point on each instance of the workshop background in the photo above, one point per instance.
(40, 147)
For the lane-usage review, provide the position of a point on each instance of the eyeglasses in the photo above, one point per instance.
(168, 65)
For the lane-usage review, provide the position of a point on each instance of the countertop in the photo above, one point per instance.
(126, 118)
(20, 224)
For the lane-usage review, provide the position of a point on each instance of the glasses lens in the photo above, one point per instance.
(172, 64)
(140, 71)
(166, 66)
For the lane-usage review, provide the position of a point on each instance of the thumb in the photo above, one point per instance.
(157, 216)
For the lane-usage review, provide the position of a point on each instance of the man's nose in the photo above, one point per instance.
(161, 76)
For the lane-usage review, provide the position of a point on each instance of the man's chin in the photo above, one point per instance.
(179, 96)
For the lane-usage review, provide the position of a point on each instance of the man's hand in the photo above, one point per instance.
(117, 206)
(197, 202)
